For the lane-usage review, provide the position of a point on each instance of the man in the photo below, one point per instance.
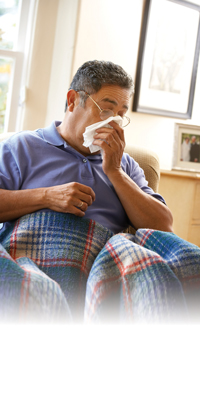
(194, 150)
(51, 169)
(61, 207)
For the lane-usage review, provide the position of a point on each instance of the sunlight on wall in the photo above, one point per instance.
(63, 52)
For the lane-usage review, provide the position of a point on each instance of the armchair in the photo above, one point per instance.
(149, 162)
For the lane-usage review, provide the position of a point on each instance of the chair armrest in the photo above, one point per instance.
(149, 162)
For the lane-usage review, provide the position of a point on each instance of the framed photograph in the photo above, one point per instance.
(168, 58)
(186, 148)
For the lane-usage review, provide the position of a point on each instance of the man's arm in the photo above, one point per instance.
(143, 210)
(63, 198)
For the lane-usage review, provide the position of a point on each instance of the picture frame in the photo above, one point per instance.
(186, 154)
(168, 58)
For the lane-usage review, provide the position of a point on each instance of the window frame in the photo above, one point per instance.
(19, 55)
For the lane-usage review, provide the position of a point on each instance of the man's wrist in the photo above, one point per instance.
(116, 174)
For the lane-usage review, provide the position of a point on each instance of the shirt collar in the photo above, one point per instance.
(51, 136)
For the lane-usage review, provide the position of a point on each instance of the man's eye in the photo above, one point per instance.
(105, 107)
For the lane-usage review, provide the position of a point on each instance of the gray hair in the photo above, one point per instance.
(92, 75)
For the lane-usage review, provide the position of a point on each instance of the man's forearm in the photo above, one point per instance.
(16, 203)
(143, 210)
(62, 198)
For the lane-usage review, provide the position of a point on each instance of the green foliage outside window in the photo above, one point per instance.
(9, 11)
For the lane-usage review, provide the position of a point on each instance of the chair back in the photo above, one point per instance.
(149, 162)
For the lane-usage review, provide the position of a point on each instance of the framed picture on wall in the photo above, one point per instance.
(186, 154)
(168, 58)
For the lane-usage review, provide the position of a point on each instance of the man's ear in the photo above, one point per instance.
(72, 97)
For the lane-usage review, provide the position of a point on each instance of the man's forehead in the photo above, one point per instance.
(114, 94)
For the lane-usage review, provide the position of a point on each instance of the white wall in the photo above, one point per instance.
(109, 30)
(80, 30)
(39, 62)
(63, 53)
(50, 62)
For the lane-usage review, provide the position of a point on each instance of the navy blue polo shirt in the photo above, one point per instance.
(41, 158)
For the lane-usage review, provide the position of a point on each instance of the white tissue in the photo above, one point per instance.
(90, 131)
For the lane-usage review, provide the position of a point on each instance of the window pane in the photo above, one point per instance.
(9, 14)
(6, 66)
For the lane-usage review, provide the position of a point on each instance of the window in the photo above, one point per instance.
(16, 18)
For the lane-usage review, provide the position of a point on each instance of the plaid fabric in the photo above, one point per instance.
(27, 293)
(182, 257)
(50, 255)
(55, 265)
(146, 277)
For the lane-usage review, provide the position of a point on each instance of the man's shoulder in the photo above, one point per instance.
(128, 160)
(128, 164)
(30, 136)
(21, 135)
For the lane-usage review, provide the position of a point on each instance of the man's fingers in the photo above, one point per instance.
(82, 199)
(71, 197)
(85, 191)
(82, 206)
(104, 137)
(118, 129)
(114, 127)
(76, 211)
(79, 193)
(110, 134)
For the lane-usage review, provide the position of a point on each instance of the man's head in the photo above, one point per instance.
(92, 75)
(96, 87)
(193, 139)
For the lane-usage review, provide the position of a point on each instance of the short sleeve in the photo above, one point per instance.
(9, 171)
(136, 173)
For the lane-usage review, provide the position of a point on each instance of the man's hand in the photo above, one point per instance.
(73, 198)
(112, 142)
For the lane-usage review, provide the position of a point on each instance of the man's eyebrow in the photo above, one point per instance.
(106, 99)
